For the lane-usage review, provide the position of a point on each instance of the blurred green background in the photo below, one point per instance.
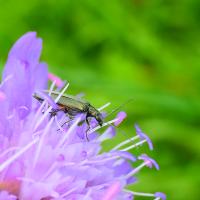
(115, 50)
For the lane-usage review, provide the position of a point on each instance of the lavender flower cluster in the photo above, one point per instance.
(41, 159)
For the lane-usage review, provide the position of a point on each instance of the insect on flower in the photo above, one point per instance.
(72, 106)
(37, 162)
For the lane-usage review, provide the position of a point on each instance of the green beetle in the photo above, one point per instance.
(72, 106)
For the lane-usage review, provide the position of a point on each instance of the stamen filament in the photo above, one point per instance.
(59, 126)
(104, 106)
(104, 124)
(51, 88)
(39, 146)
(139, 193)
(61, 93)
(69, 191)
(125, 142)
(134, 145)
(99, 161)
(134, 171)
(38, 112)
(18, 154)
(8, 151)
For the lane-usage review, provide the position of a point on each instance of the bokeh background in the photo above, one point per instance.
(146, 50)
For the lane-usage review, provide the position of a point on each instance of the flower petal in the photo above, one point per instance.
(25, 73)
(39, 77)
(27, 48)
(18, 87)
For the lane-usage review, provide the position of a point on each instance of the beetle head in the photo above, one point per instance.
(96, 114)
(99, 118)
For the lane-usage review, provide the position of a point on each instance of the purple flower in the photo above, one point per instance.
(121, 116)
(45, 158)
(160, 195)
(143, 136)
(149, 161)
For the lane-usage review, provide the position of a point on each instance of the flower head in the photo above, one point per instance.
(45, 157)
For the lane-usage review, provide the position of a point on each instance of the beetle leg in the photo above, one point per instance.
(54, 112)
(86, 135)
(87, 121)
(66, 122)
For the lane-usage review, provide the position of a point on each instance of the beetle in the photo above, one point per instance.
(72, 106)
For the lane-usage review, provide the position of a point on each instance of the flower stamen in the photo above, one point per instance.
(133, 145)
(41, 141)
(139, 193)
(104, 106)
(17, 154)
(8, 151)
(104, 124)
(125, 142)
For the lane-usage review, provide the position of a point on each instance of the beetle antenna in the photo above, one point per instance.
(119, 107)
(123, 133)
